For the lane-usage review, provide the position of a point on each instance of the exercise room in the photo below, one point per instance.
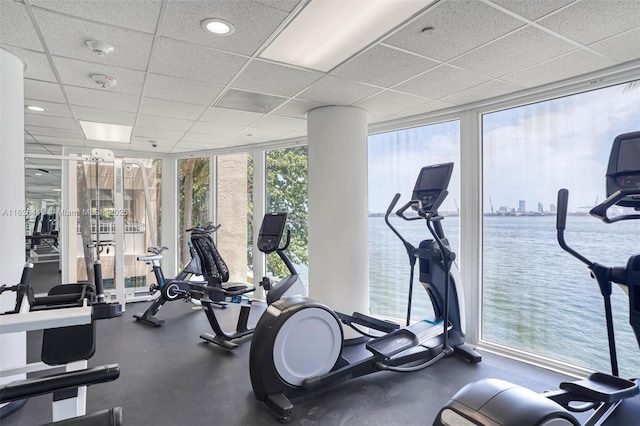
(320, 212)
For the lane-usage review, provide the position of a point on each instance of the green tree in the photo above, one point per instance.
(194, 199)
(287, 191)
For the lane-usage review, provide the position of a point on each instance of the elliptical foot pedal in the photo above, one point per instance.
(281, 406)
(602, 387)
(393, 343)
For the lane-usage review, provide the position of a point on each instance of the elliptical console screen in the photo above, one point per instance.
(271, 231)
(623, 171)
(432, 180)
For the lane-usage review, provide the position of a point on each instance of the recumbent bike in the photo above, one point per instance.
(298, 346)
(613, 400)
(218, 290)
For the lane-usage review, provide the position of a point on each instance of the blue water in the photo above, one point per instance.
(536, 297)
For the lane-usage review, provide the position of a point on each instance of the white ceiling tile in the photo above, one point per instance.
(253, 23)
(148, 148)
(60, 141)
(524, 47)
(175, 89)
(331, 90)
(48, 121)
(163, 122)
(623, 47)
(390, 102)
(383, 66)
(532, 9)
(171, 109)
(61, 133)
(590, 21)
(201, 130)
(460, 25)
(424, 109)
(230, 116)
(265, 77)
(487, 90)
(143, 143)
(265, 134)
(205, 139)
(108, 145)
(284, 5)
(296, 108)
(577, 63)
(104, 115)
(140, 15)
(440, 82)
(43, 91)
(66, 37)
(52, 108)
(153, 133)
(16, 28)
(184, 60)
(284, 124)
(101, 98)
(37, 64)
(77, 73)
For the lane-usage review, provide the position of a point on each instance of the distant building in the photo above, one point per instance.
(552, 208)
(521, 206)
(540, 208)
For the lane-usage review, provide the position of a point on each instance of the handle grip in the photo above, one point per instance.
(561, 215)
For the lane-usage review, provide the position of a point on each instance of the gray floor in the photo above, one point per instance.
(169, 377)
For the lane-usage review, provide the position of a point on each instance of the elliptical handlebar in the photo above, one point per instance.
(561, 221)
(286, 242)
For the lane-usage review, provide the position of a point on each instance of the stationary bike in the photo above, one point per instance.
(218, 290)
(170, 290)
(297, 347)
(614, 400)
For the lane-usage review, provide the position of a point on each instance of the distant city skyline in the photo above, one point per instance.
(565, 142)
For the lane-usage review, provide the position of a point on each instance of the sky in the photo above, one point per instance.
(529, 152)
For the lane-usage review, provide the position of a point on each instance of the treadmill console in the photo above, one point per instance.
(623, 171)
(271, 231)
(432, 180)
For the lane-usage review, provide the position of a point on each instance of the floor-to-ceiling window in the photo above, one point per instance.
(193, 200)
(536, 297)
(234, 209)
(395, 160)
(286, 191)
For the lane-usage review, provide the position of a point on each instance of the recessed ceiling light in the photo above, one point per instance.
(57, 190)
(38, 174)
(106, 132)
(217, 26)
(328, 32)
(35, 108)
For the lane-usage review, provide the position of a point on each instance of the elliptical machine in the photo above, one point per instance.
(218, 289)
(170, 290)
(298, 345)
(614, 400)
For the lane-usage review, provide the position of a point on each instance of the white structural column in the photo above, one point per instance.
(12, 204)
(338, 208)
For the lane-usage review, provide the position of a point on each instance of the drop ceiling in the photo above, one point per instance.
(189, 90)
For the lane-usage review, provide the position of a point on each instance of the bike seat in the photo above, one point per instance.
(149, 258)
